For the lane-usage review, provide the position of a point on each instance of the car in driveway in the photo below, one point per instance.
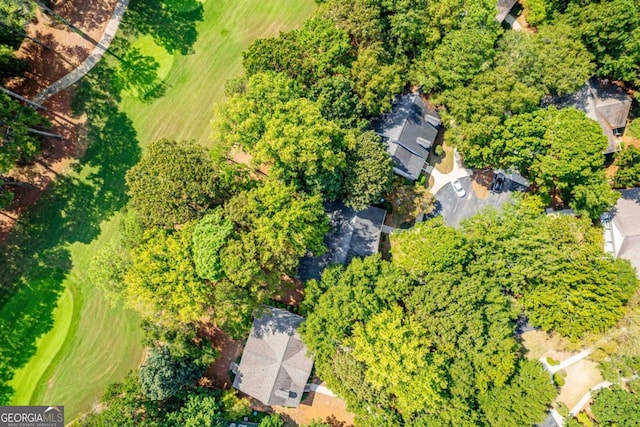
(497, 184)
(457, 187)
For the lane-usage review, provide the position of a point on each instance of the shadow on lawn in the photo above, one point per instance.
(171, 23)
(35, 258)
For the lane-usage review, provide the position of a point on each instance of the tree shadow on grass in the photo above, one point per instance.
(35, 258)
(171, 24)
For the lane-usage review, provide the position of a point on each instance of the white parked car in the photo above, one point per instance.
(457, 187)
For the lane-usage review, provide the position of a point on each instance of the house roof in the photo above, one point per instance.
(626, 219)
(603, 102)
(407, 163)
(274, 367)
(412, 125)
(504, 7)
(353, 234)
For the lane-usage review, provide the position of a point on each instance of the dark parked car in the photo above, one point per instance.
(497, 184)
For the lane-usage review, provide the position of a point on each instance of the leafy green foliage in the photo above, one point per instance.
(370, 172)
(17, 144)
(542, 145)
(556, 265)
(409, 200)
(107, 270)
(17, 14)
(175, 182)
(317, 50)
(617, 407)
(10, 65)
(235, 407)
(459, 57)
(162, 375)
(377, 79)
(209, 236)
(531, 387)
(162, 284)
(611, 31)
(537, 11)
(628, 163)
(273, 420)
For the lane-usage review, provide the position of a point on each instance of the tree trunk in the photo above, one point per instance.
(22, 98)
(39, 43)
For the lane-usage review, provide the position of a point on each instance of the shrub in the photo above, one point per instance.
(552, 362)
(439, 151)
(562, 409)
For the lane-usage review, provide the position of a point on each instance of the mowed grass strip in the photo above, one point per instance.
(196, 81)
(91, 343)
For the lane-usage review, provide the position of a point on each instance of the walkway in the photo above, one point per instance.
(567, 362)
(91, 60)
(440, 179)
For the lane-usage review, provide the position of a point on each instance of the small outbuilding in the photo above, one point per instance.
(622, 228)
(409, 131)
(275, 366)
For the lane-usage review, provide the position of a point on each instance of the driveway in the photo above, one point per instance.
(454, 209)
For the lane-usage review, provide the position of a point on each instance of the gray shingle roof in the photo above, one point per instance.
(626, 220)
(504, 7)
(409, 131)
(353, 234)
(274, 367)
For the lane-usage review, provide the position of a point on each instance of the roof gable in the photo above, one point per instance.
(274, 367)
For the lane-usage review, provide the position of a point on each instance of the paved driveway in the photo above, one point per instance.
(454, 209)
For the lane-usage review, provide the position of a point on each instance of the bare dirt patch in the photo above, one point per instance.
(229, 349)
(480, 181)
(581, 377)
(317, 406)
(64, 50)
(537, 343)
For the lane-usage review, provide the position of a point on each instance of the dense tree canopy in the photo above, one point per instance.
(618, 407)
(162, 375)
(628, 163)
(175, 182)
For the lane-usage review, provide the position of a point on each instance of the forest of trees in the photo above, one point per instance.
(428, 336)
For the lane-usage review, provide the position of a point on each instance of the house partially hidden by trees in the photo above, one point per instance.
(409, 131)
(353, 234)
(274, 367)
(504, 7)
(622, 228)
(603, 102)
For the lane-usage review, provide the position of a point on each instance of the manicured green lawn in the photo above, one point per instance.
(196, 81)
(69, 340)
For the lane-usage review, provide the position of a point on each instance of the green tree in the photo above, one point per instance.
(409, 200)
(537, 11)
(369, 173)
(162, 284)
(175, 182)
(273, 420)
(281, 224)
(399, 358)
(17, 14)
(200, 409)
(628, 163)
(459, 57)
(523, 401)
(377, 79)
(317, 50)
(235, 407)
(209, 237)
(611, 31)
(10, 65)
(616, 407)
(17, 143)
(107, 270)
(162, 376)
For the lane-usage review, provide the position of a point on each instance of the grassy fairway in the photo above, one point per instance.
(69, 340)
(196, 81)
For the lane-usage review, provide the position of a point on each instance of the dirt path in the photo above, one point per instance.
(67, 50)
(90, 62)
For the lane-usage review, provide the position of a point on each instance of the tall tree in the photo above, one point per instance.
(175, 182)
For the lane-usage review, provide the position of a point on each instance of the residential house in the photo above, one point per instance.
(409, 131)
(622, 228)
(603, 102)
(353, 234)
(275, 366)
